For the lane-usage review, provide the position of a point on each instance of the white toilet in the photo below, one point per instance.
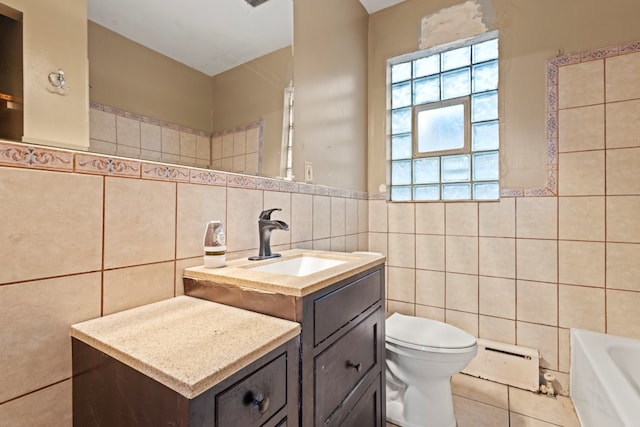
(421, 356)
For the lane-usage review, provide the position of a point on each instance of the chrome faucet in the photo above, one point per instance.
(265, 226)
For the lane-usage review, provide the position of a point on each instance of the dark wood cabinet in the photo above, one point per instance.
(11, 70)
(343, 365)
(342, 380)
(109, 393)
(343, 353)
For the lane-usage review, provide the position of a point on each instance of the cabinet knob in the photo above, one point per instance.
(356, 366)
(261, 402)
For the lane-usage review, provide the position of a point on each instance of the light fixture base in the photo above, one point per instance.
(255, 3)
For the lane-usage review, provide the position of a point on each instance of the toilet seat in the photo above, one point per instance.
(428, 335)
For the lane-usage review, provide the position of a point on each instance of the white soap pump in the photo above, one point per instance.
(215, 245)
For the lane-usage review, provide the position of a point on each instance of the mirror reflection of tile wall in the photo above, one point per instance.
(124, 134)
(238, 150)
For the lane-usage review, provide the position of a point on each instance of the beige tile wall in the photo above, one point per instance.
(238, 150)
(88, 235)
(525, 270)
(121, 133)
(126, 134)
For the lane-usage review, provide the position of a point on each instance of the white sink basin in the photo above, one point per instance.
(299, 266)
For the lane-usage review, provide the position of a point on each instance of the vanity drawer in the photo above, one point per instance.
(256, 398)
(367, 411)
(337, 308)
(344, 364)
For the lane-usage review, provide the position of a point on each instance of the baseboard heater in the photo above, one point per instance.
(509, 364)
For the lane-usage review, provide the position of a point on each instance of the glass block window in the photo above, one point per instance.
(286, 160)
(444, 124)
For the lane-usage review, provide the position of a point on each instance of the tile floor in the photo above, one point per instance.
(481, 403)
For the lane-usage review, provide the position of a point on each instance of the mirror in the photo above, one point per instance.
(196, 83)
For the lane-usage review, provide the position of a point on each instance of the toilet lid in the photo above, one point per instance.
(418, 332)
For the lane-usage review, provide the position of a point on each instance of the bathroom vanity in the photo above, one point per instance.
(185, 362)
(340, 307)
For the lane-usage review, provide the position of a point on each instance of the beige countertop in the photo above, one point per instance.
(239, 272)
(187, 344)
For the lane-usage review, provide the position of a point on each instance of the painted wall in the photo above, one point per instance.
(55, 37)
(131, 77)
(330, 69)
(531, 33)
(255, 91)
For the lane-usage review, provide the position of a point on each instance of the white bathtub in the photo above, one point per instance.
(605, 379)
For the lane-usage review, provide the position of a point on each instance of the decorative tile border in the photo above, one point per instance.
(600, 54)
(553, 66)
(254, 125)
(202, 176)
(321, 190)
(267, 184)
(289, 186)
(360, 195)
(538, 192)
(564, 60)
(146, 169)
(552, 75)
(306, 188)
(152, 121)
(629, 48)
(165, 172)
(511, 192)
(15, 154)
(378, 196)
(241, 181)
(100, 165)
(20, 155)
(145, 119)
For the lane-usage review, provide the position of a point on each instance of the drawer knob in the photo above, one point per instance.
(261, 402)
(356, 366)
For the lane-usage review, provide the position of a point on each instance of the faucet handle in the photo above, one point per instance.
(266, 214)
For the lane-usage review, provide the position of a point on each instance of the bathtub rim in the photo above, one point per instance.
(622, 395)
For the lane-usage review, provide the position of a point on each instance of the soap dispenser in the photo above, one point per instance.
(215, 245)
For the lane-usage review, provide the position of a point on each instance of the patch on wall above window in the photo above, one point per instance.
(457, 22)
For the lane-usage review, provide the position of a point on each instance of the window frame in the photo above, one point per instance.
(465, 101)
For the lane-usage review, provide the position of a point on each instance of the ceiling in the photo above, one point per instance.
(211, 36)
(376, 5)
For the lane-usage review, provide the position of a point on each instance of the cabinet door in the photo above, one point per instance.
(255, 399)
(344, 364)
(367, 411)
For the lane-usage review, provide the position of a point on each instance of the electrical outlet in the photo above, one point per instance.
(308, 172)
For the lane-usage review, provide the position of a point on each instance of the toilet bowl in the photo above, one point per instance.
(421, 357)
